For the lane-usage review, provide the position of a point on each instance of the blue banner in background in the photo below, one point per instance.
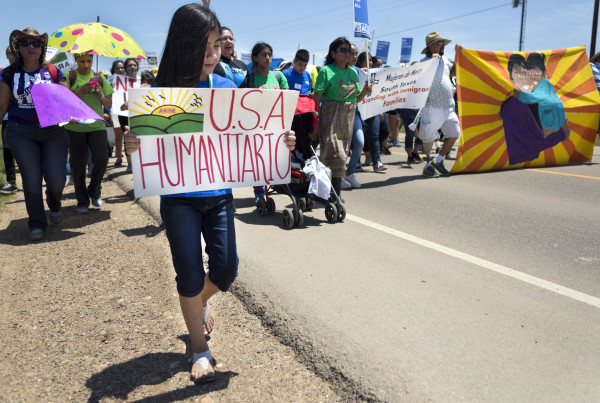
(383, 48)
(406, 50)
(361, 20)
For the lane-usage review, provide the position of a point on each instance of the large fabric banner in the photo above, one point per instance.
(208, 139)
(397, 87)
(525, 109)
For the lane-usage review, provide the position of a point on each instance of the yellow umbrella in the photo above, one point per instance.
(100, 38)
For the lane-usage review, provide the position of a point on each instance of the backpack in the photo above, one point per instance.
(9, 74)
(73, 78)
(277, 76)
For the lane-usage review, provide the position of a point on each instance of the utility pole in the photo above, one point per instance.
(523, 5)
(594, 29)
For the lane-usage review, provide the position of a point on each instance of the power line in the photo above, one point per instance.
(447, 19)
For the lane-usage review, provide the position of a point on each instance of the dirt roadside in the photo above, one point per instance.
(91, 313)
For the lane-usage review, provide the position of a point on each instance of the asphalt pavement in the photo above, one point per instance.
(478, 287)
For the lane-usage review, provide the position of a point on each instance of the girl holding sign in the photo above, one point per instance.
(190, 55)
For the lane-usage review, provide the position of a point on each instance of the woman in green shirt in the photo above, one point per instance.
(96, 92)
(338, 90)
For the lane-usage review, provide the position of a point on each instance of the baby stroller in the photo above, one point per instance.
(298, 189)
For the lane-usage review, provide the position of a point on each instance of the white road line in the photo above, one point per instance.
(538, 282)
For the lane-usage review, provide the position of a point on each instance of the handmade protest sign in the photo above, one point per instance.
(62, 60)
(397, 87)
(150, 62)
(551, 120)
(122, 86)
(195, 139)
(56, 104)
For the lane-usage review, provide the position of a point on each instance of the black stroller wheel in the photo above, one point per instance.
(270, 206)
(302, 204)
(299, 221)
(288, 218)
(261, 207)
(331, 212)
(341, 212)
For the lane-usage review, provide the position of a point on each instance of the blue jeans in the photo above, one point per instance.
(40, 154)
(358, 142)
(9, 161)
(372, 131)
(186, 219)
(407, 116)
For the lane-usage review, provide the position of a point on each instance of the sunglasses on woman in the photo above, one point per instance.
(344, 50)
(26, 43)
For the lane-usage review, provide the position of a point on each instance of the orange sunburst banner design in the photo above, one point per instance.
(525, 109)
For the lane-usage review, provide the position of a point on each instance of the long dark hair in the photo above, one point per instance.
(183, 56)
(257, 49)
(361, 60)
(334, 46)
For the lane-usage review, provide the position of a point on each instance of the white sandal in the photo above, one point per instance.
(204, 359)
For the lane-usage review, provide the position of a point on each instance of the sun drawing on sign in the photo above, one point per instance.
(173, 113)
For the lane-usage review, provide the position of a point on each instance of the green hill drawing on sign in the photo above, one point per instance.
(176, 124)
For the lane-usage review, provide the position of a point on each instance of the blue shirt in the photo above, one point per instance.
(217, 82)
(299, 82)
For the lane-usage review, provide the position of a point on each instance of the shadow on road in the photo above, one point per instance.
(118, 380)
(149, 231)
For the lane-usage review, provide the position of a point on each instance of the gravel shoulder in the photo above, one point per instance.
(91, 313)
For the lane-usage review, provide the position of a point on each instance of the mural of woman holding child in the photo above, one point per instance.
(533, 117)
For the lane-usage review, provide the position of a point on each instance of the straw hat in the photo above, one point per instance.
(434, 37)
(29, 32)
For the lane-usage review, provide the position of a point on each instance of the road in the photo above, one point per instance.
(479, 287)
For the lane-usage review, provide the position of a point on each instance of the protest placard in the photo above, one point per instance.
(406, 50)
(150, 62)
(361, 20)
(195, 139)
(397, 87)
(56, 104)
(383, 49)
(62, 60)
(553, 121)
(122, 86)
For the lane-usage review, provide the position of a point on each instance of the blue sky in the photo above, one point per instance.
(313, 24)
